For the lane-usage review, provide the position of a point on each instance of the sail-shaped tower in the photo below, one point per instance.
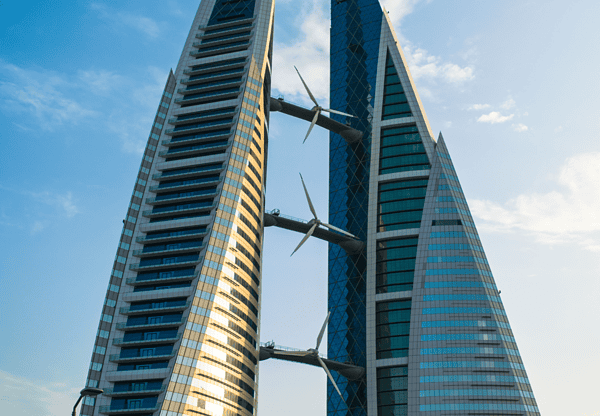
(180, 324)
(418, 308)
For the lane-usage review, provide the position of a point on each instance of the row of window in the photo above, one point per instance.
(471, 364)
(392, 391)
(393, 329)
(475, 392)
(396, 264)
(400, 204)
(477, 324)
(478, 407)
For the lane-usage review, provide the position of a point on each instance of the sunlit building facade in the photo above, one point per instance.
(419, 308)
(416, 309)
(180, 325)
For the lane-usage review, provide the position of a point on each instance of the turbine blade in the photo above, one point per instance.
(320, 337)
(294, 353)
(314, 121)
(338, 112)
(308, 234)
(331, 227)
(331, 378)
(310, 204)
(312, 97)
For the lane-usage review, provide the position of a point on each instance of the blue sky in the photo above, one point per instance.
(513, 85)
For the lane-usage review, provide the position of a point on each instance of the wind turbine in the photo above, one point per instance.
(317, 108)
(314, 353)
(315, 222)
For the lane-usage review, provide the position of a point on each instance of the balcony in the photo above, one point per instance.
(226, 31)
(219, 96)
(196, 140)
(128, 311)
(197, 79)
(142, 253)
(116, 358)
(150, 214)
(208, 42)
(210, 87)
(122, 326)
(170, 238)
(199, 129)
(187, 174)
(221, 50)
(217, 27)
(137, 267)
(160, 189)
(188, 198)
(107, 410)
(113, 393)
(121, 341)
(134, 282)
(181, 118)
(200, 151)
(207, 69)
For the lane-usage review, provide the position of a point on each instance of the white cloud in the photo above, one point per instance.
(146, 25)
(508, 104)
(398, 9)
(494, 117)
(424, 65)
(310, 53)
(520, 128)
(568, 214)
(101, 81)
(41, 92)
(479, 107)
(23, 397)
(62, 202)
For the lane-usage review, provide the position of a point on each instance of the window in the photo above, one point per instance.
(402, 150)
(393, 329)
(401, 205)
(392, 391)
(396, 264)
(395, 103)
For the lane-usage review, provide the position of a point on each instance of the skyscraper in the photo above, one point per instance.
(179, 328)
(418, 308)
(417, 324)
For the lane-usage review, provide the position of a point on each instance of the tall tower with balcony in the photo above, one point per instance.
(180, 323)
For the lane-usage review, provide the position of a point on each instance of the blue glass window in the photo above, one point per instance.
(392, 391)
(395, 103)
(396, 264)
(393, 329)
(401, 204)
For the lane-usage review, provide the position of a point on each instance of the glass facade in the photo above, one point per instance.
(431, 304)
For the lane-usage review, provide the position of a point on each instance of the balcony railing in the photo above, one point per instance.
(108, 410)
(169, 238)
(151, 214)
(142, 253)
(121, 341)
(123, 325)
(128, 311)
(112, 393)
(162, 266)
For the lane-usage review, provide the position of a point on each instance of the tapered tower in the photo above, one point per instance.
(418, 307)
(179, 329)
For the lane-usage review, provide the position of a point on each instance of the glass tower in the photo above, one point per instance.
(418, 308)
(179, 329)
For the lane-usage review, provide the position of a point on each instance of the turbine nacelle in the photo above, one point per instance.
(317, 108)
(315, 222)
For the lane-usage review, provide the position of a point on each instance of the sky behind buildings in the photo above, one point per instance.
(513, 86)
